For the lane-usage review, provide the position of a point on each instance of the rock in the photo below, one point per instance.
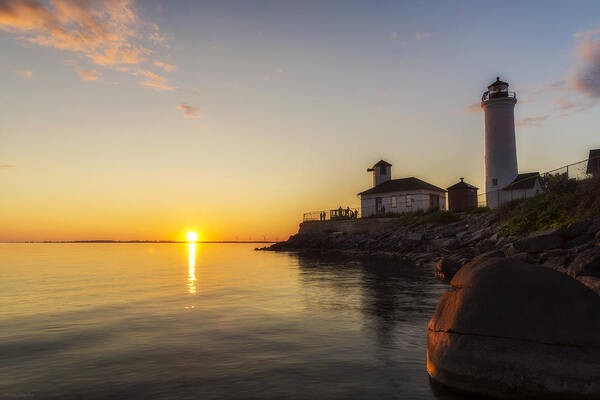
(586, 263)
(484, 246)
(594, 227)
(555, 253)
(540, 241)
(576, 229)
(489, 254)
(510, 250)
(591, 282)
(525, 257)
(448, 244)
(558, 263)
(446, 267)
(579, 240)
(515, 330)
(414, 236)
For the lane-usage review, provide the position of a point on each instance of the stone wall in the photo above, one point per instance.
(367, 225)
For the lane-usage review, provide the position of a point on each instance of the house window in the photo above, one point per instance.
(495, 181)
(394, 202)
(409, 201)
(382, 170)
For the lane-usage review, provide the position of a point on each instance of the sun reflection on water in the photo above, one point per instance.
(192, 268)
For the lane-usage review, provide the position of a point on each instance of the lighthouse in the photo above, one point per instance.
(500, 147)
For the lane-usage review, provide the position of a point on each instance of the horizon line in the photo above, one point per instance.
(139, 241)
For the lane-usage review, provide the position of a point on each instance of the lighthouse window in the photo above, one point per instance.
(394, 202)
(495, 181)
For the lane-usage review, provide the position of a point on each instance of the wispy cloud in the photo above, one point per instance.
(189, 111)
(151, 75)
(86, 75)
(107, 33)
(586, 34)
(422, 35)
(165, 66)
(394, 35)
(6, 166)
(158, 86)
(26, 73)
(532, 121)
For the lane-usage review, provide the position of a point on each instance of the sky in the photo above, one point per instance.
(141, 120)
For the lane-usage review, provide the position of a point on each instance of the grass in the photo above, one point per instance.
(565, 201)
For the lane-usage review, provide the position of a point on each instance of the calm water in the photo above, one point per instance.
(178, 321)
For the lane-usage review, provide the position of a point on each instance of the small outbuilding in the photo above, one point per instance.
(462, 196)
(593, 164)
(394, 196)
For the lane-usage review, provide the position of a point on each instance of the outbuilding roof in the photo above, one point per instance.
(382, 163)
(498, 82)
(593, 165)
(402, 184)
(462, 185)
(523, 181)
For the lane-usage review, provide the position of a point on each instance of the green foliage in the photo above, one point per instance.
(563, 202)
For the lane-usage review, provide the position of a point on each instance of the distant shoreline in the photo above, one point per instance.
(146, 241)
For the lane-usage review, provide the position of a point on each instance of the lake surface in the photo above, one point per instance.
(179, 321)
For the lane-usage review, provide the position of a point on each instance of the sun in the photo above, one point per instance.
(192, 236)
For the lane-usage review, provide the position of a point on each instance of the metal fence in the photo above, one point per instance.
(579, 170)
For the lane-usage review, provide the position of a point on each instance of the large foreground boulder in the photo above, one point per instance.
(515, 330)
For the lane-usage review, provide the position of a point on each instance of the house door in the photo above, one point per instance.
(434, 201)
(378, 205)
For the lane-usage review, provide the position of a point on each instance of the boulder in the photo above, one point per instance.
(485, 246)
(576, 229)
(514, 330)
(591, 282)
(525, 257)
(446, 267)
(558, 263)
(587, 263)
(580, 240)
(540, 241)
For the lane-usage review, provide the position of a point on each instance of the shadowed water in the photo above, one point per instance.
(174, 321)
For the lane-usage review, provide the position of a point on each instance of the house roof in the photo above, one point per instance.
(523, 181)
(498, 82)
(382, 163)
(593, 164)
(462, 185)
(400, 185)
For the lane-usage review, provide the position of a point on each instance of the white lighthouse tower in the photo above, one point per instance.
(500, 147)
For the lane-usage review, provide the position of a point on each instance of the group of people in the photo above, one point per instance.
(341, 213)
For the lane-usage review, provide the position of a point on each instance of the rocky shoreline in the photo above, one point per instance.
(574, 249)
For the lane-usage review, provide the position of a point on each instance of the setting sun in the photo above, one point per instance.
(192, 236)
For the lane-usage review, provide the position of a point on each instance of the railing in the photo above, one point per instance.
(579, 170)
(333, 214)
(403, 205)
(498, 95)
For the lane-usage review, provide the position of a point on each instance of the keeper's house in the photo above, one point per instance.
(394, 196)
